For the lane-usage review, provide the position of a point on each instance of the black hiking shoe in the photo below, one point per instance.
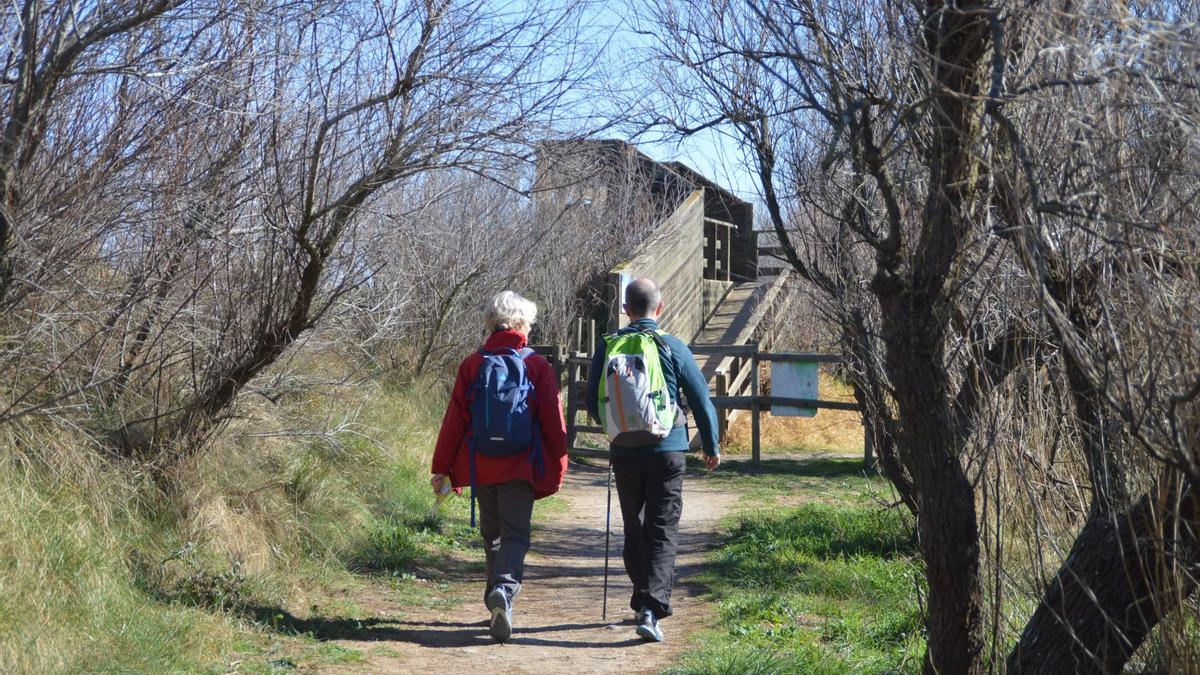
(648, 628)
(501, 607)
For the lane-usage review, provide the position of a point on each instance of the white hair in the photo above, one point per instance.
(507, 310)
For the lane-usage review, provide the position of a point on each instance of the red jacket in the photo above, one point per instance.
(452, 457)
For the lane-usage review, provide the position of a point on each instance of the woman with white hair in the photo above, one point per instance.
(503, 435)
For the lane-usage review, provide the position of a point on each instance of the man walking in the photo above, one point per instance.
(631, 372)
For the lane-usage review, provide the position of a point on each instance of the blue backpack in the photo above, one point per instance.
(501, 405)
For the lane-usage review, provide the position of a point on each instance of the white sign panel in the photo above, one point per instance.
(793, 379)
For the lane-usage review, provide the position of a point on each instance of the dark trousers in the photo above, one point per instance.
(650, 488)
(505, 510)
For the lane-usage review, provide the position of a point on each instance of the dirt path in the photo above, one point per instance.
(557, 617)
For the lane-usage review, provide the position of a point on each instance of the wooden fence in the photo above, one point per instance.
(745, 377)
(729, 394)
(718, 248)
(578, 365)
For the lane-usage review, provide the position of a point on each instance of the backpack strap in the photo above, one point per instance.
(473, 389)
(472, 488)
(536, 457)
(656, 335)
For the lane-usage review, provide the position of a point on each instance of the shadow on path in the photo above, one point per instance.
(435, 634)
(557, 624)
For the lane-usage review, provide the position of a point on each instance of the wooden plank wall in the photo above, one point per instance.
(674, 257)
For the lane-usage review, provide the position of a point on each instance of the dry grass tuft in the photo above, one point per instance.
(831, 431)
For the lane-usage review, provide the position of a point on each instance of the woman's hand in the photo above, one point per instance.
(437, 480)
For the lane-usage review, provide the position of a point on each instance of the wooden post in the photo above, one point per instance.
(572, 402)
(869, 462)
(868, 444)
(755, 410)
(710, 250)
(739, 378)
(726, 253)
(722, 382)
(614, 308)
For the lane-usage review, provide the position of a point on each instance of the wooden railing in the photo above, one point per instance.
(673, 255)
(744, 376)
(731, 377)
(555, 354)
(747, 359)
(718, 247)
(578, 365)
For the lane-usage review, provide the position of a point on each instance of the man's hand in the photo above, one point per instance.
(712, 461)
(436, 481)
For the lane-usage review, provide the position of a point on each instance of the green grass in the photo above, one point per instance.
(103, 571)
(828, 585)
(68, 600)
(828, 480)
(275, 531)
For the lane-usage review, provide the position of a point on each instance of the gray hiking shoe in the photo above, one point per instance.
(648, 628)
(501, 607)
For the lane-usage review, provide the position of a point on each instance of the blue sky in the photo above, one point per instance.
(715, 156)
(627, 57)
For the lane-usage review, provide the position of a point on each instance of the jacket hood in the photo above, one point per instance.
(505, 339)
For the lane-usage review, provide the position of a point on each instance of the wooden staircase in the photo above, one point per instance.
(742, 317)
(705, 256)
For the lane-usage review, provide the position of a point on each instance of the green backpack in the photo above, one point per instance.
(635, 406)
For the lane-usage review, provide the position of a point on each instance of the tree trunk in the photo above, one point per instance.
(148, 438)
(869, 397)
(6, 264)
(1124, 572)
(916, 301)
(947, 526)
(949, 538)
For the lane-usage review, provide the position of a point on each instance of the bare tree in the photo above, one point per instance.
(891, 147)
(1100, 230)
(47, 44)
(454, 238)
(227, 161)
(408, 90)
(92, 185)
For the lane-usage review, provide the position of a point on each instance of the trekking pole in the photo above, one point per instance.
(607, 529)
